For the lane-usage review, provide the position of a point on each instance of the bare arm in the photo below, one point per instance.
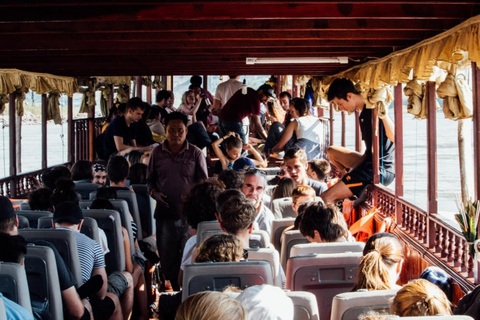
(103, 291)
(258, 161)
(217, 104)
(124, 149)
(72, 303)
(218, 152)
(258, 126)
(286, 136)
(389, 127)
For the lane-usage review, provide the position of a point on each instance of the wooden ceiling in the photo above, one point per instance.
(80, 38)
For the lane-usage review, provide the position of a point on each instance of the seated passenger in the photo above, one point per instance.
(40, 199)
(304, 131)
(82, 171)
(318, 169)
(322, 223)
(296, 163)
(220, 248)
(143, 134)
(138, 174)
(266, 302)
(381, 263)
(99, 174)
(231, 179)
(233, 159)
(155, 124)
(210, 305)
(420, 298)
(283, 189)
(50, 176)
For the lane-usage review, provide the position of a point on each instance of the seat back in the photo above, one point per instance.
(85, 188)
(215, 276)
(349, 305)
(23, 222)
(132, 203)
(66, 244)
(41, 269)
(304, 305)
(259, 239)
(206, 229)
(289, 239)
(24, 206)
(271, 256)
(147, 218)
(282, 208)
(324, 275)
(121, 206)
(89, 227)
(327, 247)
(33, 216)
(109, 221)
(14, 285)
(278, 225)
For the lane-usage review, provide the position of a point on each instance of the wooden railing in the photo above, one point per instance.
(436, 241)
(81, 148)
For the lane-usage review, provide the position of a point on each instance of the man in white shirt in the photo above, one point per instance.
(225, 91)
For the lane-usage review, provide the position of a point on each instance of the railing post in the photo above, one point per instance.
(431, 160)
(358, 134)
(375, 147)
(44, 131)
(13, 147)
(70, 130)
(139, 86)
(344, 143)
(91, 134)
(331, 123)
(398, 112)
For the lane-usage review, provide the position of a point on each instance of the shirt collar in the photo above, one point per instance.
(164, 146)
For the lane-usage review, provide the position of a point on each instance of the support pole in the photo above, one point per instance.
(13, 147)
(431, 160)
(331, 124)
(375, 147)
(139, 86)
(344, 139)
(70, 140)
(91, 134)
(398, 112)
(358, 134)
(18, 142)
(44, 131)
(476, 129)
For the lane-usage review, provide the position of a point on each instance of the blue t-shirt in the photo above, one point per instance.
(238, 165)
(14, 311)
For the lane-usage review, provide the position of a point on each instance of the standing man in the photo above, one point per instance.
(253, 188)
(175, 165)
(225, 91)
(120, 135)
(357, 168)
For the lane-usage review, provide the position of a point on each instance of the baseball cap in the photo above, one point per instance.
(6, 208)
(439, 277)
(68, 211)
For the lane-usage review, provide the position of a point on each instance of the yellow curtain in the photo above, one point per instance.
(415, 91)
(157, 84)
(104, 107)
(4, 99)
(88, 99)
(53, 108)
(456, 98)
(379, 99)
(20, 95)
(121, 95)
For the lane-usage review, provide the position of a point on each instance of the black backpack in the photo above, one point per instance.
(469, 305)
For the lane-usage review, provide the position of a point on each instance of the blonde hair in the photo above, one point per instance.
(301, 191)
(374, 272)
(220, 248)
(420, 298)
(210, 305)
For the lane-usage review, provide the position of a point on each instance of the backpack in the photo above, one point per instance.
(469, 305)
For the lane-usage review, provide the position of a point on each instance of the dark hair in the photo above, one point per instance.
(146, 112)
(162, 95)
(199, 203)
(40, 199)
(154, 112)
(82, 170)
(117, 169)
(327, 220)
(285, 93)
(339, 89)
(232, 179)
(220, 248)
(14, 248)
(121, 109)
(7, 225)
(138, 173)
(237, 214)
(284, 188)
(301, 105)
(50, 176)
(233, 142)
(176, 116)
(267, 90)
(321, 167)
(134, 156)
(226, 195)
(295, 153)
(102, 203)
(255, 172)
(135, 103)
(64, 191)
(196, 80)
(232, 77)
(106, 193)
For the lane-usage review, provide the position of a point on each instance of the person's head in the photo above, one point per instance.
(134, 156)
(284, 188)
(162, 97)
(322, 223)
(342, 92)
(176, 128)
(14, 248)
(50, 176)
(232, 179)
(196, 80)
(154, 113)
(299, 107)
(188, 98)
(439, 278)
(420, 298)
(266, 302)
(8, 217)
(233, 77)
(82, 170)
(64, 191)
(121, 109)
(236, 215)
(254, 182)
(381, 263)
(265, 91)
(210, 305)
(68, 214)
(318, 169)
(117, 169)
(284, 99)
(220, 248)
(135, 109)
(170, 100)
(102, 203)
(106, 193)
(99, 174)
(138, 174)
(40, 199)
(227, 195)
(199, 203)
(296, 162)
(233, 147)
(300, 195)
